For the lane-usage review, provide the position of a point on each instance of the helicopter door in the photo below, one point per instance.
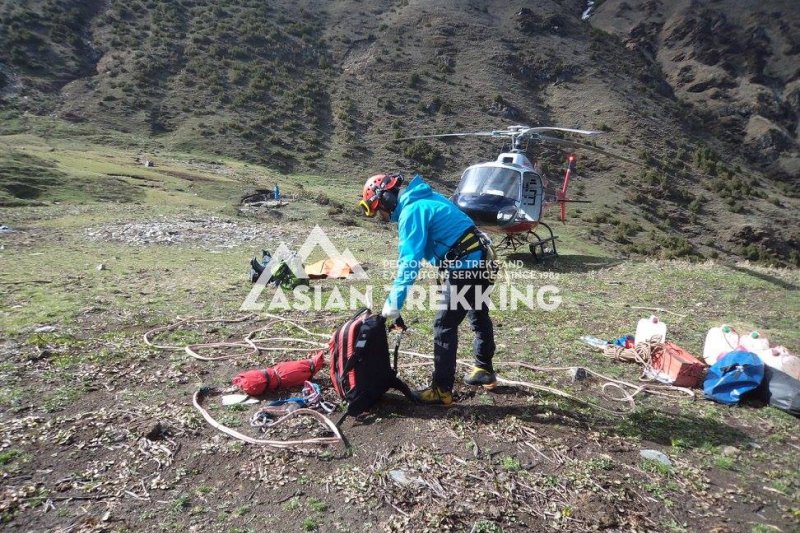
(532, 195)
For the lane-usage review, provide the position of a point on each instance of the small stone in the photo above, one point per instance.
(577, 373)
(402, 478)
(729, 451)
(45, 329)
(101, 266)
(41, 353)
(655, 455)
(154, 432)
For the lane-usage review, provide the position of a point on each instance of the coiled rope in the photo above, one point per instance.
(201, 394)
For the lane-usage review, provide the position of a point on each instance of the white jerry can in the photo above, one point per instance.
(647, 328)
(719, 341)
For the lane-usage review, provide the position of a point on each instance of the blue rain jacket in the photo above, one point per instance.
(428, 226)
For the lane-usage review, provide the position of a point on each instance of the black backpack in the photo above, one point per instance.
(359, 363)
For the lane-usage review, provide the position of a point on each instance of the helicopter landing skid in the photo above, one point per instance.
(540, 248)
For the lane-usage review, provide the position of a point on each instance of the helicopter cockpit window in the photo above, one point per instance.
(490, 180)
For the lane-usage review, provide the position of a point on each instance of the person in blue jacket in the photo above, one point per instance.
(431, 227)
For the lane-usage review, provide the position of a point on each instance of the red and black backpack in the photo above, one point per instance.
(360, 369)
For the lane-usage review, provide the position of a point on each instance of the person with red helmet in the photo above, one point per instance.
(431, 227)
(380, 195)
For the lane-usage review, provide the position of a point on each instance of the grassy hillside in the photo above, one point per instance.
(736, 64)
(325, 88)
(201, 74)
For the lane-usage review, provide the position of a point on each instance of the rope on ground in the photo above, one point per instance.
(190, 349)
(656, 389)
(249, 341)
(254, 349)
(643, 355)
(610, 383)
(337, 438)
(298, 326)
(626, 392)
(148, 336)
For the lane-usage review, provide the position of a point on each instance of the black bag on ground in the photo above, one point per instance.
(359, 362)
(282, 276)
(779, 390)
(257, 267)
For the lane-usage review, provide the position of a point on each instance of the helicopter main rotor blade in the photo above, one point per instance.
(469, 134)
(573, 144)
(569, 130)
(521, 132)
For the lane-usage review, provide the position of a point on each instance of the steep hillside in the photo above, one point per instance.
(325, 87)
(207, 75)
(738, 64)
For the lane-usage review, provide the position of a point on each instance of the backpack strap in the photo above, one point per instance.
(345, 346)
(359, 312)
(399, 384)
(358, 344)
(396, 382)
(397, 349)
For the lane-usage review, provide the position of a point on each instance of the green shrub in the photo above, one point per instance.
(422, 152)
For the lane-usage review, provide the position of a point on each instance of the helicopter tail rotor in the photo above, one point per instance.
(561, 196)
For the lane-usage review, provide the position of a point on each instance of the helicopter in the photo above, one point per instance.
(508, 196)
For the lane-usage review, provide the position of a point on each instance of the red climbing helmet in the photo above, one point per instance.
(374, 195)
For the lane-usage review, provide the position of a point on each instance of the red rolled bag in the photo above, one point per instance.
(280, 376)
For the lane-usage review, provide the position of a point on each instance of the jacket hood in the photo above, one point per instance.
(417, 188)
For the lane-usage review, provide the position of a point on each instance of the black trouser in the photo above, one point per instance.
(449, 317)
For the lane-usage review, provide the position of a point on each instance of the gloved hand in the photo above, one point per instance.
(390, 312)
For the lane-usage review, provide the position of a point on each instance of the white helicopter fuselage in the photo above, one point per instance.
(505, 195)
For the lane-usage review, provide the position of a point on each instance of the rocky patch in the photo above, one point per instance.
(213, 232)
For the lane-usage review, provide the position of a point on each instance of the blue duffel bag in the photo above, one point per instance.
(732, 376)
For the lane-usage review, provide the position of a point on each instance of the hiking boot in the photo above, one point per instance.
(479, 376)
(434, 395)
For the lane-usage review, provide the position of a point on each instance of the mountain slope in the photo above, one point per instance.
(740, 66)
(325, 87)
